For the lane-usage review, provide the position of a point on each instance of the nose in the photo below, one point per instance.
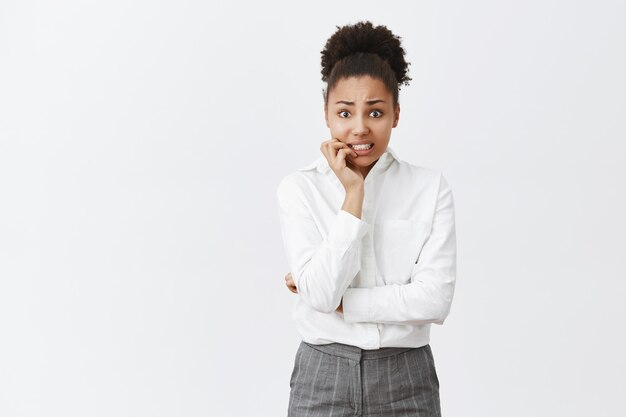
(360, 127)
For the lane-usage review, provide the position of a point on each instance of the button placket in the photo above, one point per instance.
(369, 272)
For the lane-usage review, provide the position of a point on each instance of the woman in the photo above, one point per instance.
(371, 244)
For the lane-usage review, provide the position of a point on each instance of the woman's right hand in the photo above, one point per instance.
(336, 153)
(290, 284)
(292, 287)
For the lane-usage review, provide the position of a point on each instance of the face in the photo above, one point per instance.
(360, 110)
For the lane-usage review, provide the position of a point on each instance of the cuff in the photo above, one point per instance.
(347, 230)
(356, 304)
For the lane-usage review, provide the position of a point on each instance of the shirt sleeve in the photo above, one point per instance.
(322, 267)
(427, 298)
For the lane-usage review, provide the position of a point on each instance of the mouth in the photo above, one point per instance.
(362, 149)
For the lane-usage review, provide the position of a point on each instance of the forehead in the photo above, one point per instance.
(360, 89)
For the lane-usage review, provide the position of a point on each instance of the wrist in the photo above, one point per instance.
(356, 190)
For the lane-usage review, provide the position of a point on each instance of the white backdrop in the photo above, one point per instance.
(141, 263)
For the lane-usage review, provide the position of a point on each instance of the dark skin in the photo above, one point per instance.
(358, 109)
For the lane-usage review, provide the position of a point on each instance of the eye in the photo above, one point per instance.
(379, 112)
(342, 111)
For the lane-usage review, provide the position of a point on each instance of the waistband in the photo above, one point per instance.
(356, 353)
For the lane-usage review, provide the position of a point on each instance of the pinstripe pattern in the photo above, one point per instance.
(343, 380)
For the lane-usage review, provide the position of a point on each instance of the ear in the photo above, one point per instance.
(396, 115)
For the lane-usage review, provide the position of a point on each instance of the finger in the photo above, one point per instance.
(292, 288)
(341, 146)
(336, 145)
(329, 148)
(325, 144)
(325, 151)
(351, 151)
(342, 156)
(345, 146)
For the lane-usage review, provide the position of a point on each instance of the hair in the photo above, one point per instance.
(364, 49)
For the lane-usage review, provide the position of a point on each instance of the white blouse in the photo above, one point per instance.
(395, 267)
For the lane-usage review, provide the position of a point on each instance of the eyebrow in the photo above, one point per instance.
(350, 103)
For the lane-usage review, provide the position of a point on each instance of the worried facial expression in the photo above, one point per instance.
(360, 111)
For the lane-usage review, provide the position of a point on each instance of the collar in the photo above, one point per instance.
(321, 164)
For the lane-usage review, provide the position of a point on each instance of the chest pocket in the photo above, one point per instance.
(398, 243)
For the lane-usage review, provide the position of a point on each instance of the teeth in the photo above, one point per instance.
(362, 147)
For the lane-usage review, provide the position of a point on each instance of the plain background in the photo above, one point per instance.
(141, 264)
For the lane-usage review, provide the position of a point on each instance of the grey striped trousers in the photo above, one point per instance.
(344, 380)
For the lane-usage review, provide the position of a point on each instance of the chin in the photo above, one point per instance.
(372, 156)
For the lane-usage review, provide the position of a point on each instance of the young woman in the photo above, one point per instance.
(371, 244)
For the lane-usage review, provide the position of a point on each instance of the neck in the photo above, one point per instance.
(366, 170)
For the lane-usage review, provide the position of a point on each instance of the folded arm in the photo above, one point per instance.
(322, 267)
(427, 298)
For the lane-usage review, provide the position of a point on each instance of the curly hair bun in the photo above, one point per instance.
(367, 38)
